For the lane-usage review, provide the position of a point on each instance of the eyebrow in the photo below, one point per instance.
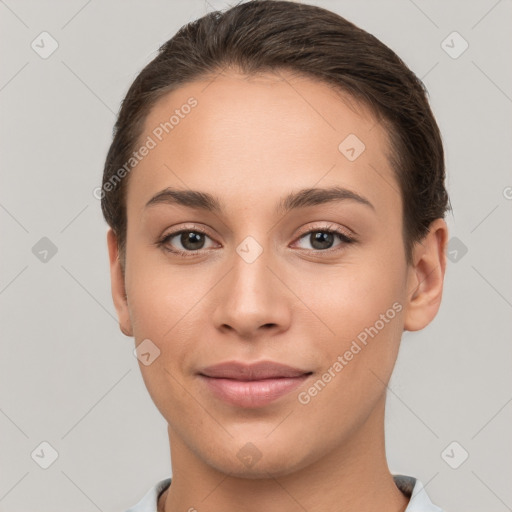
(299, 199)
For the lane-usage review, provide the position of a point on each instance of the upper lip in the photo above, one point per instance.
(255, 371)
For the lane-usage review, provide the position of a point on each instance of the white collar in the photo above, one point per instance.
(410, 486)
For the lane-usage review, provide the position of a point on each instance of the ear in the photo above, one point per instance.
(425, 277)
(117, 285)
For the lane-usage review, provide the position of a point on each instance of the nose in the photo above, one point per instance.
(252, 299)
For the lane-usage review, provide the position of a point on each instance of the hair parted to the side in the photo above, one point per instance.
(261, 36)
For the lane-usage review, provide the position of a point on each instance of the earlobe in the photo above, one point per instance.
(118, 285)
(426, 277)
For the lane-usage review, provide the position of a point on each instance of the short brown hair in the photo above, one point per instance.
(270, 35)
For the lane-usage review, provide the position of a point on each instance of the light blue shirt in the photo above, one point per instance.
(410, 486)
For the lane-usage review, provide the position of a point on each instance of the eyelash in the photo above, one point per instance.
(163, 241)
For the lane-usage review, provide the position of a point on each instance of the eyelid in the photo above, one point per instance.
(188, 227)
(329, 227)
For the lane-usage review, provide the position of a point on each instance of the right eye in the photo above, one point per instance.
(192, 241)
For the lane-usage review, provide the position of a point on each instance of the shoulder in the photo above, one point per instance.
(149, 502)
(413, 488)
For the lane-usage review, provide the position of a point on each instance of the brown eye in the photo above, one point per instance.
(185, 242)
(192, 240)
(324, 239)
(321, 239)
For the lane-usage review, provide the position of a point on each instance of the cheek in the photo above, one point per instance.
(164, 306)
(359, 356)
(360, 306)
(162, 295)
(352, 296)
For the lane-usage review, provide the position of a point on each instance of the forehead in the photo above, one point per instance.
(255, 136)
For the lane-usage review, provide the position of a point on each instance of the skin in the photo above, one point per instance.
(249, 142)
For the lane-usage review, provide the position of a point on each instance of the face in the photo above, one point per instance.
(315, 280)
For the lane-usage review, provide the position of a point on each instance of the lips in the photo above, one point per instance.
(256, 371)
(251, 385)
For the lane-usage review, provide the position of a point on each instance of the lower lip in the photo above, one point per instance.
(253, 393)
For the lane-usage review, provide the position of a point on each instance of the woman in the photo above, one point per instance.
(275, 195)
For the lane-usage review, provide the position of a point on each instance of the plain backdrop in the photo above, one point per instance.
(68, 376)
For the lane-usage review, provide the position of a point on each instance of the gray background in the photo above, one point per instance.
(68, 375)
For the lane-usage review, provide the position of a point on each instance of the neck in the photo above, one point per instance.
(353, 476)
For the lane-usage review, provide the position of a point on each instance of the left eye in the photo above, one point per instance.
(322, 239)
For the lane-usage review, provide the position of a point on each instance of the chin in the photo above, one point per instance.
(259, 460)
